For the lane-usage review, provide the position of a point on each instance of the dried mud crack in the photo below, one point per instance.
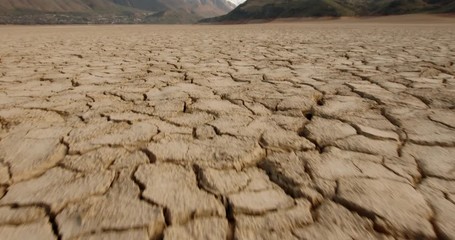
(297, 131)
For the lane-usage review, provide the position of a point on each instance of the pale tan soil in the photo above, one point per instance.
(269, 131)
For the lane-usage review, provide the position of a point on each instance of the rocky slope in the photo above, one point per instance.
(198, 8)
(56, 6)
(111, 11)
(237, 2)
(270, 9)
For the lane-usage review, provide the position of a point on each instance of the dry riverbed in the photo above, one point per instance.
(271, 131)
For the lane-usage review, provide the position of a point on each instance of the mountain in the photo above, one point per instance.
(237, 2)
(194, 8)
(46, 6)
(111, 11)
(271, 9)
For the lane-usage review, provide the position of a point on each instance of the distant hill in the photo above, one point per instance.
(271, 9)
(110, 11)
(197, 8)
(57, 6)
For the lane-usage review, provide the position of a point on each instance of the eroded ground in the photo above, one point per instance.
(279, 131)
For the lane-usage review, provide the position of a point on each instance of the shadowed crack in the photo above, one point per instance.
(364, 213)
(47, 210)
(443, 124)
(439, 234)
(142, 187)
(303, 63)
(150, 155)
(231, 221)
(229, 209)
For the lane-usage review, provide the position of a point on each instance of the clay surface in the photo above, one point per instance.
(317, 130)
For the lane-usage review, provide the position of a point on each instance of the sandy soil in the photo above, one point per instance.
(267, 131)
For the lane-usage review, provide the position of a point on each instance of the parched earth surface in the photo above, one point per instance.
(272, 131)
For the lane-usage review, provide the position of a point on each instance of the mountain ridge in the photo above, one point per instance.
(111, 11)
(272, 9)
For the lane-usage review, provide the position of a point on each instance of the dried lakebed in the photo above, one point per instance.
(272, 131)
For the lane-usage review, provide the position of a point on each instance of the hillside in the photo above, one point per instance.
(110, 11)
(271, 9)
(202, 8)
(178, 11)
(58, 6)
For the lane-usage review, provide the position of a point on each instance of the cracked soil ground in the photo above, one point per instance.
(272, 131)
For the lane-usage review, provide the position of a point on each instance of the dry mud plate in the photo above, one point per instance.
(273, 131)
